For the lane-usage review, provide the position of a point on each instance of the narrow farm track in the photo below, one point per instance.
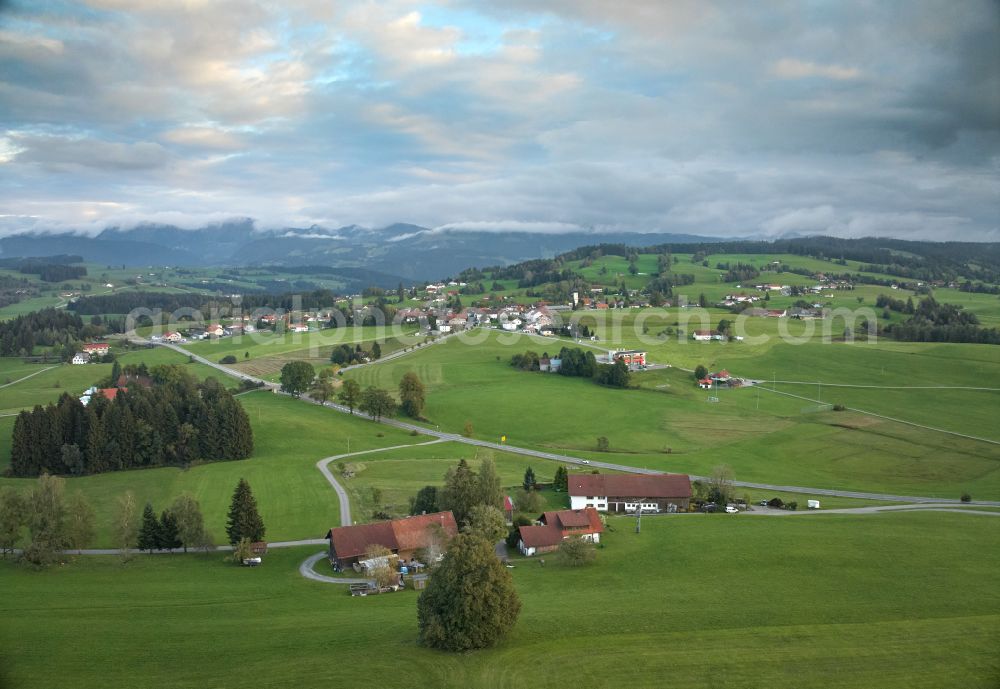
(567, 459)
(30, 375)
(889, 418)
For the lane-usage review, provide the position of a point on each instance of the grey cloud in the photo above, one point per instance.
(60, 153)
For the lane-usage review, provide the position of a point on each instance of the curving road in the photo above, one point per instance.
(324, 468)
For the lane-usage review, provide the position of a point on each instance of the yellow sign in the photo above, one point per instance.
(503, 438)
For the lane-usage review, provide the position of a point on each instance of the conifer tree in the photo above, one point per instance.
(244, 521)
(168, 536)
(561, 479)
(529, 479)
(149, 531)
(460, 491)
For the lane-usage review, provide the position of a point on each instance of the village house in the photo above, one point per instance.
(550, 365)
(96, 349)
(404, 537)
(555, 527)
(80, 358)
(633, 358)
(776, 313)
(172, 336)
(627, 493)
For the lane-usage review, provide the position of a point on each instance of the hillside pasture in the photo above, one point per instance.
(289, 436)
(829, 600)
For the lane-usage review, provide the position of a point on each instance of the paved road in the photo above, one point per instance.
(872, 509)
(324, 468)
(306, 570)
(567, 459)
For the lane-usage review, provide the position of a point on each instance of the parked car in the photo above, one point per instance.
(731, 509)
(708, 507)
(762, 503)
(584, 461)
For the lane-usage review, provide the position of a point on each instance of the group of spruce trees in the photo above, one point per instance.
(174, 421)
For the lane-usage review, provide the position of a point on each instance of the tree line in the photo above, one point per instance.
(936, 322)
(46, 328)
(578, 363)
(174, 421)
(55, 522)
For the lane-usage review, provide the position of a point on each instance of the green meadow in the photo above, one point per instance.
(669, 424)
(892, 600)
(289, 436)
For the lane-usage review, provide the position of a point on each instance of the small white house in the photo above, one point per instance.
(81, 358)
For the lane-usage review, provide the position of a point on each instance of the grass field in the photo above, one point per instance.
(894, 600)
(55, 379)
(289, 435)
(668, 424)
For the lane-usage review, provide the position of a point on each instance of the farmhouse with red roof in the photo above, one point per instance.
(626, 492)
(404, 537)
(555, 527)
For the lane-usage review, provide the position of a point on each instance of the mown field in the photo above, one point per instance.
(669, 424)
(895, 600)
(290, 436)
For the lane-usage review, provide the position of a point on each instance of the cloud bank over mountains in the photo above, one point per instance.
(709, 117)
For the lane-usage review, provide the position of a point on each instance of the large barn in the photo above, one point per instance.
(626, 492)
(404, 537)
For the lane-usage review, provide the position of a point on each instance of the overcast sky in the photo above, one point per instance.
(717, 118)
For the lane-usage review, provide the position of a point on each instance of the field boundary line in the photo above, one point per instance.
(30, 375)
(887, 418)
(880, 387)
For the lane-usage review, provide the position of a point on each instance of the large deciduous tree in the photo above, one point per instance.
(322, 390)
(377, 403)
(350, 394)
(488, 522)
(471, 601)
(296, 376)
(411, 395)
(126, 525)
(80, 520)
(489, 490)
(46, 520)
(13, 508)
(190, 522)
(244, 521)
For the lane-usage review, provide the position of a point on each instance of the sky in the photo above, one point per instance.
(849, 118)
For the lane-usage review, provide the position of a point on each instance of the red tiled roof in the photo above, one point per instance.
(112, 393)
(411, 532)
(400, 534)
(574, 519)
(623, 485)
(93, 347)
(540, 536)
(351, 541)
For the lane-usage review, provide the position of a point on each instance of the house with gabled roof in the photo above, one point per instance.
(629, 492)
(404, 537)
(552, 528)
